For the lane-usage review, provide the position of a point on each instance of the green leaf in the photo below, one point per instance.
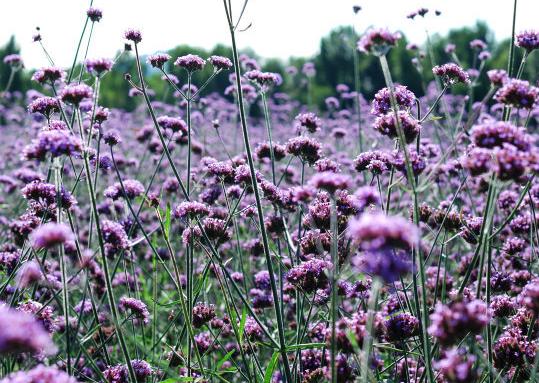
(223, 360)
(305, 346)
(167, 221)
(271, 366)
(242, 323)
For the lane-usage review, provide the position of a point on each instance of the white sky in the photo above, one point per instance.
(280, 28)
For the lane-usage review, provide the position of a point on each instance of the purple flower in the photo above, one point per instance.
(13, 60)
(518, 94)
(74, 94)
(401, 326)
(385, 263)
(457, 366)
(451, 322)
(529, 297)
(137, 307)
(120, 374)
(330, 182)
(497, 77)
(309, 276)
(28, 274)
(40, 374)
(158, 60)
(387, 125)
(133, 189)
(45, 106)
(220, 62)
(190, 63)
(512, 349)
(176, 124)
(378, 41)
(112, 137)
(496, 134)
(202, 314)
(528, 40)
(98, 66)
(309, 121)
(306, 148)
(21, 332)
(376, 231)
(48, 75)
(114, 235)
(308, 69)
(191, 209)
(133, 35)
(376, 161)
(478, 44)
(54, 142)
(51, 234)
(451, 74)
(264, 80)
(94, 14)
(382, 102)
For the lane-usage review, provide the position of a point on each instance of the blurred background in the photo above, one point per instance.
(278, 33)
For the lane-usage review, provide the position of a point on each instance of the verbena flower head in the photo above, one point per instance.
(497, 133)
(451, 74)
(478, 44)
(48, 75)
(51, 234)
(375, 231)
(14, 61)
(528, 40)
(40, 374)
(309, 121)
(401, 326)
(306, 148)
(387, 125)
(517, 94)
(133, 35)
(138, 309)
(202, 314)
(220, 62)
(529, 297)
(74, 94)
(378, 41)
(176, 124)
(21, 332)
(330, 181)
(114, 235)
(264, 80)
(309, 69)
(191, 209)
(191, 63)
(94, 14)
(98, 66)
(45, 106)
(309, 276)
(457, 366)
(497, 77)
(382, 102)
(158, 60)
(55, 143)
(451, 322)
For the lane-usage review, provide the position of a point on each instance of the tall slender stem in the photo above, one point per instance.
(260, 212)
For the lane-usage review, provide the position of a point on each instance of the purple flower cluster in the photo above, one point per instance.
(378, 41)
(451, 74)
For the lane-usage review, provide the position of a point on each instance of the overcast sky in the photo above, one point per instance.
(280, 28)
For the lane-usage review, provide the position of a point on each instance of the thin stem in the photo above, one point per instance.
(260, 213)
(334, 306)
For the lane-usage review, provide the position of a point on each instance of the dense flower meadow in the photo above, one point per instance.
(384, 240)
